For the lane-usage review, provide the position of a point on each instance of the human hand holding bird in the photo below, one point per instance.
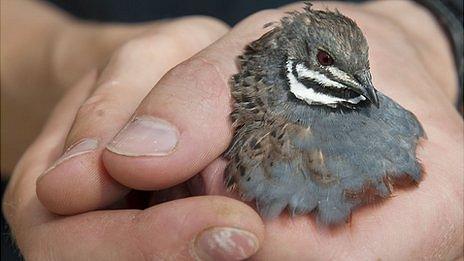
(192, 98)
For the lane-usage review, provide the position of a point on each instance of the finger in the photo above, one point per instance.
(183, 123)
(77, 181)
(206, 228)
(20, 195)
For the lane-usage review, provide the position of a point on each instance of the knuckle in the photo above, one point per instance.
(189, 34)
(205, 23)
(98, 112)
(150, 45)
(166, 41)
(95, 106)
(132, 47)
(267, 15)
(198, 20)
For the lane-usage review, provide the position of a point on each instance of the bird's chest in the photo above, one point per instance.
(339, 133)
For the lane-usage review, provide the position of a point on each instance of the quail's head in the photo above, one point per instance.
(327, 60)
(311, 132)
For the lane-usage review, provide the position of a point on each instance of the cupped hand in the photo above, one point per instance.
(182, 127)
(88, 116)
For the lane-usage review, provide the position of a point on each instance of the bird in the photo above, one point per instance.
(311, 132)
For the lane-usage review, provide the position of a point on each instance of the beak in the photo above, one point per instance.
(365, 79)
(371, 94)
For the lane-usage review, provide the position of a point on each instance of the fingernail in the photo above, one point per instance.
(145, 136)
(225, 243)
(81, 147)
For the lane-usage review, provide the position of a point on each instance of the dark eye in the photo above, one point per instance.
(324, 58)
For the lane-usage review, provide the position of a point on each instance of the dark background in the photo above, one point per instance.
(230, 11)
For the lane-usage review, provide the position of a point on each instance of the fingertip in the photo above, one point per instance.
(225, 243)
(74, 186)
(238, 234)
(215, 227)
(152, 172)
(142, 173)
(139, 155)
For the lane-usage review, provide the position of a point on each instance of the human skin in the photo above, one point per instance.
(43, 52)
(132, 70)
(410, 63)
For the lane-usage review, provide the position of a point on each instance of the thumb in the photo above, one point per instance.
(183, 124)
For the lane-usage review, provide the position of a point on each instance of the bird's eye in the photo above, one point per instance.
(324, 58)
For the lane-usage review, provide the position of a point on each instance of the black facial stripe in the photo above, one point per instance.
(294, 70)
(342, 93)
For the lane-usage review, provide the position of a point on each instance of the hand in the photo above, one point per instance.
(44, 52)
(169, 230)
(419, 223)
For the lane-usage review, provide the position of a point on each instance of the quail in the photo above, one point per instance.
(312, 134)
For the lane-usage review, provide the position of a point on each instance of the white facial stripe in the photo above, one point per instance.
(342, 75)
(309, 95)
(320, 78)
